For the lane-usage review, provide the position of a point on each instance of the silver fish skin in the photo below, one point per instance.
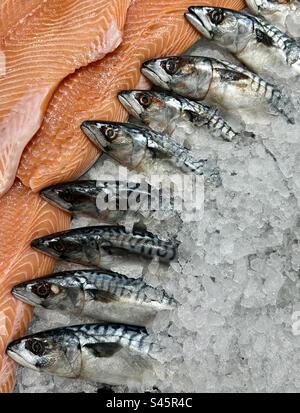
(137, 147)
(92, 245)
(106, 200)
(103, 353)
(274, 11)
(161, 111)
(219, 82)
(256, 43)
(101, 294)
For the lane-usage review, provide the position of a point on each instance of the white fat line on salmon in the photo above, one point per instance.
(2, 64)
(29, 121)
(143, 83)
(105, 44)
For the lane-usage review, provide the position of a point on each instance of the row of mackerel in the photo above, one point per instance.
(115, 353)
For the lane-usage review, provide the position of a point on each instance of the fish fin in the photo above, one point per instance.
(106, 259)
(140, 362)
(190, 115)
(247, 135)
(170, 128)
(138, 230)
(263, 38)
(187, 145)
(103, 349)
(159, 154)
(139, 226)
(283, 104)
(227, 75)
(138, 153)
(157, 151)
(103, 296)
(193, 117)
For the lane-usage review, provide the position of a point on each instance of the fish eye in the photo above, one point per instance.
(59, 246)
(217, 16)
(35, 346)
(171, 67)
(110, 133)
(144, 100)
(67, 196)
(42, 290)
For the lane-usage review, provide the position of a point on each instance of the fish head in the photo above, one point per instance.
(228, 28)
(58, 293)
(71, 196)
(144, 105)
(55, 351)
(123, 142)
(63, 245)
(189, 76)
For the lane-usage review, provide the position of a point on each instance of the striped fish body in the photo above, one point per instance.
(162, 112)
(104, 353)
(133, 353)
(249, 90)
(145, 150)
(105, 200)
(269, 49)
(102, 295)
(219, 82)
(184, 159)
(234, 87)
(91, 245)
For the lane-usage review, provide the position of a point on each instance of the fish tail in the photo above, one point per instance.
(206, 168)
(283, 105)
(220, 125)
(186, 161)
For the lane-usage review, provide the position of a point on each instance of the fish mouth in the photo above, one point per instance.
(19, 293)
(38, 244)
(197, 16)
(91, 130)
(129, 103)
(18, 358)
(153, 77)
(88, 130)
(51, 198)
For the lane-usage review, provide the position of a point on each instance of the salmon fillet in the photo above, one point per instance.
(23, 216)
(14, 11)
(59, 151)
(42, 44)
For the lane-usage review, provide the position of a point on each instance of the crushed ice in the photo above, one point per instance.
(237, 276)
